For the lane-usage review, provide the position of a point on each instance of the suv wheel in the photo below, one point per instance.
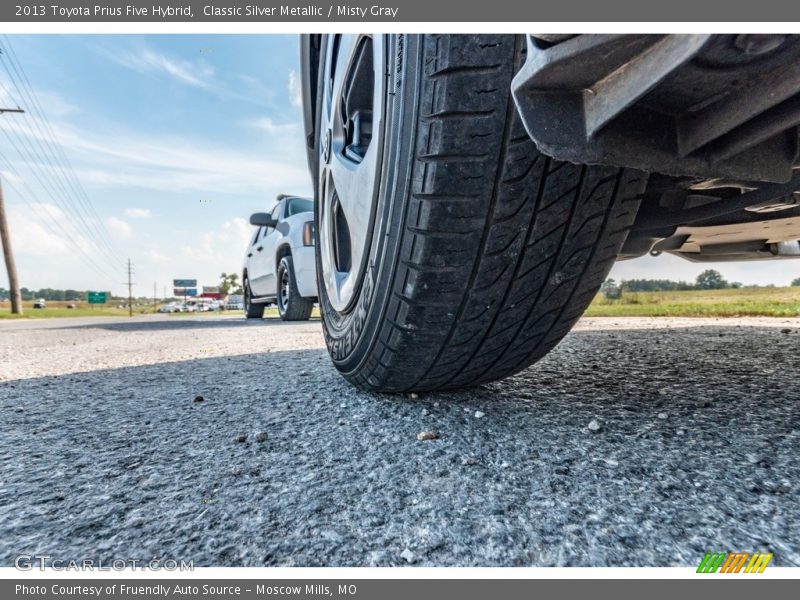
(450, 252)
(291, 305)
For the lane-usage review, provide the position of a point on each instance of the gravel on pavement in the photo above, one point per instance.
(638, 441)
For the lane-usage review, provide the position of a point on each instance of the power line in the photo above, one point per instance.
(49, 218)
(46, 223)
(24, 152)
(14, 292)
(40, 111)
(61, 174)
(52, 186)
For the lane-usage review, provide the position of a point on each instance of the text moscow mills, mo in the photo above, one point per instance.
(170, 11)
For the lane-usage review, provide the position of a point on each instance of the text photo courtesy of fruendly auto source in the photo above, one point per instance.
(400, 300)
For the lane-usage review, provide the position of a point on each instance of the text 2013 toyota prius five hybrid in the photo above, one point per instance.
(473, 191)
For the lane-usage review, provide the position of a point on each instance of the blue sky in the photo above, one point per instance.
(176, 139)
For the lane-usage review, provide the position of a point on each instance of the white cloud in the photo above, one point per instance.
(195, 73)
(177, 164)
(138, 213)
(30, 236)
(40, 230)
(155, 256)
(119, 227)
(223, 246)
(10, 177)
(267, 125)
(295, 93)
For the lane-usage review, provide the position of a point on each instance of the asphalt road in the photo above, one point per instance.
(636, 442)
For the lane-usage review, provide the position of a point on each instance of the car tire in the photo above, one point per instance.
(482, 252)
(291, 305)
(251, 310)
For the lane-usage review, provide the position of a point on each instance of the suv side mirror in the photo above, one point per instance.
(262, 220)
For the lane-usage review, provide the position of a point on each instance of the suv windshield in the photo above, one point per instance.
(296, 206)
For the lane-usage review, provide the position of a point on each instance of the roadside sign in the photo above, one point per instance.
(210, 289)
(184, 283)
(182, 291)
(96, 297)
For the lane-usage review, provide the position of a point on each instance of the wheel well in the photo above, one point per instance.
(284, 250)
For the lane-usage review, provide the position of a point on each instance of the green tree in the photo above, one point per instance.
(710, 280)
(611, 289)
(229, 284)
(796, 282)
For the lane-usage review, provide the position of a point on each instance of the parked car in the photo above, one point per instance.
(39, 303)
(171, 307)
(279, 265)
(234, 302)
(473, 191)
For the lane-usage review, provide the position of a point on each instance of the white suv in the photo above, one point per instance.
(279, 265)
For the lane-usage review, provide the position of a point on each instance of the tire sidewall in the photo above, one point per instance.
(248, 302)
(248, 295)
(349, 336)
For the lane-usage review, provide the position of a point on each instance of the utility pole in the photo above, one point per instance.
(5, 241)
(130, 290)
(8, 255)
(155, 309)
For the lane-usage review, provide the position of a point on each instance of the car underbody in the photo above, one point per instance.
(713, 117)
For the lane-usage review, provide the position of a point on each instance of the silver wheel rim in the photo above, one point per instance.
(284, 289)
(351, 137)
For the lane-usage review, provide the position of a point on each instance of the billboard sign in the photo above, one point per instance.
(184, 283)
(184, 291)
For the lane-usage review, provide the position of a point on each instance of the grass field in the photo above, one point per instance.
(764, 302)
(82, 309)
(59, 309)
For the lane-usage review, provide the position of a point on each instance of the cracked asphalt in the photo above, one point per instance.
(641, 442)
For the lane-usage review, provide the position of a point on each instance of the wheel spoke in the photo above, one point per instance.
(350, 161)
(355, 188)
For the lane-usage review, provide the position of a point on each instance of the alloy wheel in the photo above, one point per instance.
(351, 141)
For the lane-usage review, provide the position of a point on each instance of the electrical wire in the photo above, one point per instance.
(53, 175)
(65, 163)
(50, 217)
(22, 150)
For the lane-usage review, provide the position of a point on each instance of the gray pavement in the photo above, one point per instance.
(636, 442)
